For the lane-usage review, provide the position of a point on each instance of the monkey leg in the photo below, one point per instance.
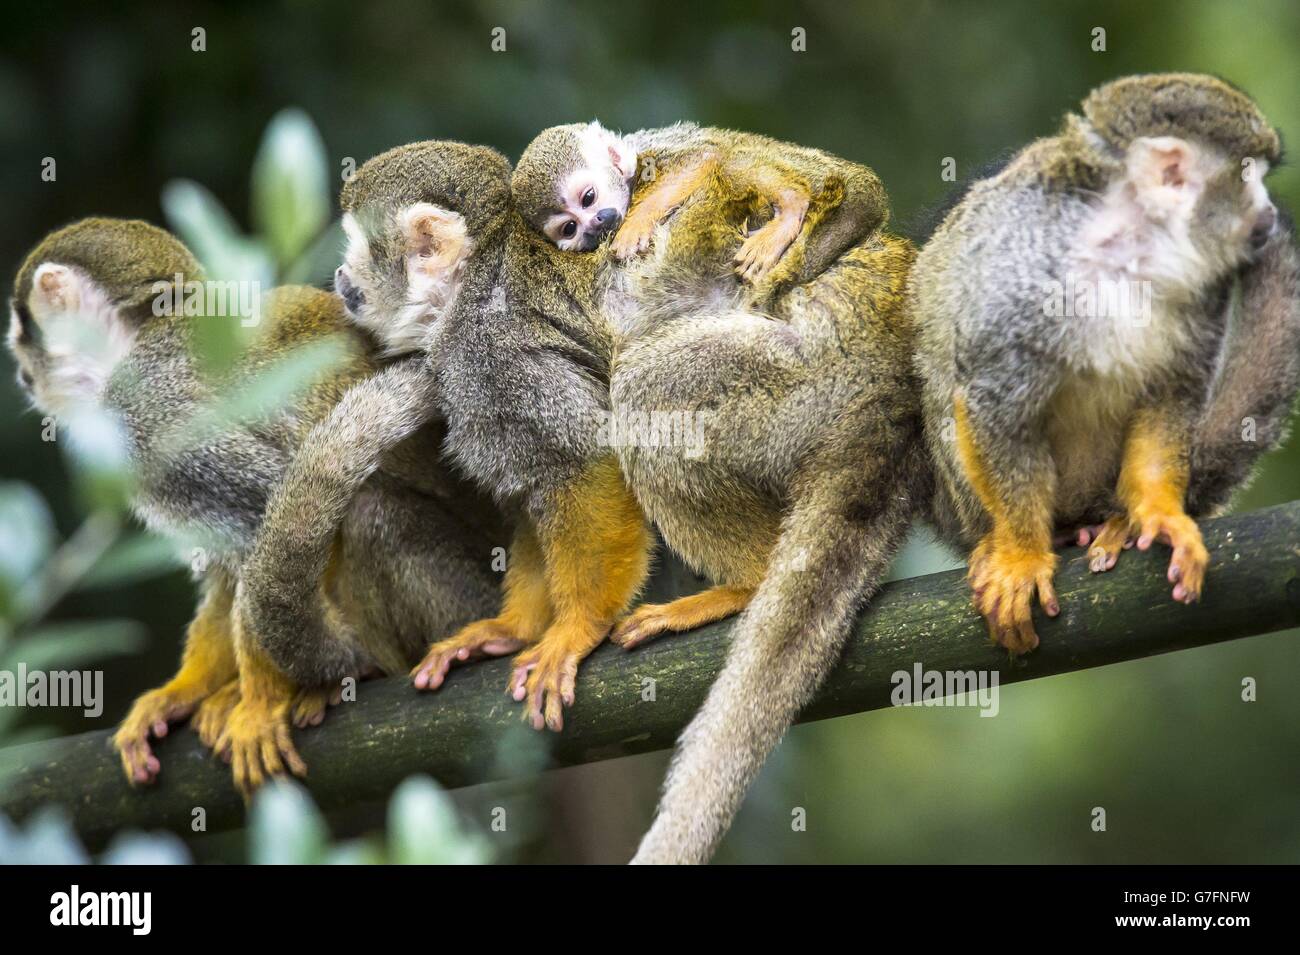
(596, 546)
(1014, 561)
(763, 249)
(525, 614)
(1152, 486)
(207, 662)
(656, 202)
(685, 613)
(256, 739)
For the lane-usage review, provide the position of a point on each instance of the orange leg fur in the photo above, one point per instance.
(1152, 485)
(208, 662)
(1015, 560)
(525, 614)
(685, 613)
(596, 547)
(257, 740)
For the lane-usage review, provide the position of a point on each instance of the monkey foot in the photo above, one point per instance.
(258, 744)
(1003, 582)
(1190, 559)
(210, 717)
(686, 613)
(543, 680)
(483, 638)
(309, 706)
(763, 249)
(149, 717)
(1107, 541)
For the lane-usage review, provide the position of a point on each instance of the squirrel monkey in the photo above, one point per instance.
(579, 183)
(85, 332)
(518, 360)
(803, 492)
(1077, 369)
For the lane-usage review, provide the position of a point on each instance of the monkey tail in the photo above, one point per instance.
(1251, 398)
(281, 597)
(833, 551)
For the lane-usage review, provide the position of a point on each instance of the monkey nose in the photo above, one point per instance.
(1263, 228)
(607, 220)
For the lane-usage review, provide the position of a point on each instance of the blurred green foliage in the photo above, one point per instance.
(1185, 769)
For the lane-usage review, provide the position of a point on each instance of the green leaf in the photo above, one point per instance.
(133, 559)
(291, 190)
(203, 224)
(423, 828)
(274, 388)
(285, 827)
(27, 536)
(75, 644)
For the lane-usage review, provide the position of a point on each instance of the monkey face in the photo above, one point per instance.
(592, 199)
(402, 271)
(1218, 202)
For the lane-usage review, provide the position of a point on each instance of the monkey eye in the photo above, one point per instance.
(588, 197)
(569, 229)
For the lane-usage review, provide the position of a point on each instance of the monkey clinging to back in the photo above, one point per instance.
(575, 184)
(1075, 344)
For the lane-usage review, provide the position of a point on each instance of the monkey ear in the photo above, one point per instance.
(56, 290)
(1162, 165)
(622, 156)
(430, 229)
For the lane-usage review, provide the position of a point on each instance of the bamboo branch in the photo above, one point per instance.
(366, 747)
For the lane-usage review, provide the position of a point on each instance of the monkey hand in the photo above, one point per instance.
(634, 235)
(309, 706)
(762, 249)
(150, 716)
(257, 743)
(482, 638)
(1004, 579)
(543, 680)
(210, 718)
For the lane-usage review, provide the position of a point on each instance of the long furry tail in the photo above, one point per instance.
(829, 560)
(281, 599)
(1251, 399)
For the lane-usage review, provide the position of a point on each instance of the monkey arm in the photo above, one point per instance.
(283, 607)
(656, 201)
(824, 206)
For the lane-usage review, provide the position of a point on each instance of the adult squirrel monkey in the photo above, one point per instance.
(1082, 362)
(86, 332)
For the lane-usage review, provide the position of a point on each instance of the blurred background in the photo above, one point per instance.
(140, 123)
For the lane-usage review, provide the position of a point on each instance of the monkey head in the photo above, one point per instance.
(78, 300)
(573, 184)
(414, 218)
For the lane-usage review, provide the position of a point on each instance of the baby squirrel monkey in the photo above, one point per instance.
(1074, 312)
(579, 183)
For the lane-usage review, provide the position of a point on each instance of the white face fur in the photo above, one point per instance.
(436, 246)
(82, 338)
(592, 200)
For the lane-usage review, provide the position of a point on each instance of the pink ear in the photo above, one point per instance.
(622, 156)
(1163, 162)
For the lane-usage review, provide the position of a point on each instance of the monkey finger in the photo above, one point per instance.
(1047, 595)
(284, 741)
